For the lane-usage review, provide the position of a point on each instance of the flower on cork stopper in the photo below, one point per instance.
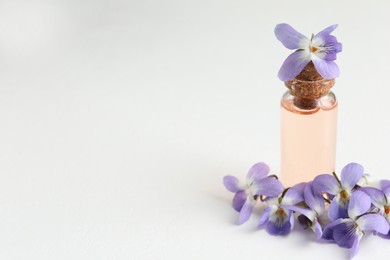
(320, 50)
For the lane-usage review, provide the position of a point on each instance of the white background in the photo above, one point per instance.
(118, 120)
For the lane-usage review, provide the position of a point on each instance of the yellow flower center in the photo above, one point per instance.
(280, 212)
(387, 210)
(344, 195)
(313, 49)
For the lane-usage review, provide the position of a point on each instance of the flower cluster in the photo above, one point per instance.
(321, 49)
(339, 210)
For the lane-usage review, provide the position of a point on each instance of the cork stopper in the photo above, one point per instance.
(309, 86)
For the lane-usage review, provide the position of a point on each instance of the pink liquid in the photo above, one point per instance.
(308, 144)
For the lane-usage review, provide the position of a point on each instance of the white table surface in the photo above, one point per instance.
(118, 120)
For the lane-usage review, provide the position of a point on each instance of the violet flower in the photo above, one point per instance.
(347, 232)
(321, 49)
(340, 189)
(381, 202)
(257, 184)
(278, 218)
(316, 209)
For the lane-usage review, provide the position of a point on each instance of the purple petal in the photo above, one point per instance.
(351, 174)
(328, 55)
(310, 214)
(332, 47)
(373, 222)
(299, 187)
(337, 210)
(291, 220)
(330, 40)
(386, 191)
(355, 248)
(359, 203)
(245, 212)
(274, 228)
(289, 37)
(326, 183)
(322, 34)
(376, 195)
(386, 236)
(345, 234)
(269, 186)
(293, 65)
(314, 199)
(231, 183)
(239, 200)
(328, 49)
(264, 217)
(257, 172)
(292, 196)
(384, 183)
(326, 68)
(333, 210)
(327, 233)
(317, 229)
(279, 224)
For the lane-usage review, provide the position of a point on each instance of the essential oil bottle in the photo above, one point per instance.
(308, 127)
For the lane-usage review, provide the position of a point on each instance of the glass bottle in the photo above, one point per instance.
(308, 127)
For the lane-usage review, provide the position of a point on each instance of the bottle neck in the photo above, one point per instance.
(299, 105)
